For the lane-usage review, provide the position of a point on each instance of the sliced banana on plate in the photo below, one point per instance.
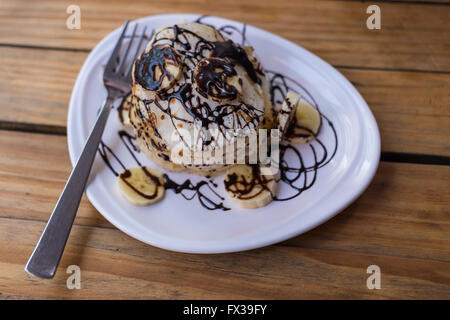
(141, 186)
(158, 69)
(248, 188)
(287, 113)
(307, 123)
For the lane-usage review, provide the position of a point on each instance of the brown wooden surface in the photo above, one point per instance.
(411, 246)
(401, 223)
(413, 36)
(412, 106)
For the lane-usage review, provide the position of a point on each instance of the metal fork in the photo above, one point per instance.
(117, 80)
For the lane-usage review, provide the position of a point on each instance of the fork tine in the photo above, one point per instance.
(141, 38)
(125, 55)
(112, 58)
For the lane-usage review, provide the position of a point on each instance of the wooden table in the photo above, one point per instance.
(401, 223)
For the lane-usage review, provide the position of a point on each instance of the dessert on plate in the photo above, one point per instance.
(196, 90)
(196, 97)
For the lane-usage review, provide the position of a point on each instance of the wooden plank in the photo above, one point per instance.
(35, 85)
(412, 36)
(114, 266)
(411, 107)
(404, 213)
(29, 186)
(428, 2)
(401, 222)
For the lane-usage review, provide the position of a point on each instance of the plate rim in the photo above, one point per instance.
(186, 246)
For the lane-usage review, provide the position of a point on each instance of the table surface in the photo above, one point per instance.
(401, 223)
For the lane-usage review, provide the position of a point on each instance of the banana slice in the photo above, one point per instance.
(248, 188)
(217, 78)
(158, 69)
(141, 186)
(287, 112)
(307, 123)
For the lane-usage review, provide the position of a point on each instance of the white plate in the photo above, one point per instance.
(181, 225)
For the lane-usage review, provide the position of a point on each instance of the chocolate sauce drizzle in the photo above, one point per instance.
(196, 192)
(128, 141)
(124, 105)
(204, 190)
(192, 54)
(227, 49)
(127, 174)
(243, 188)
(149, 62)
(295, 174)
(243, 115)
(231, 31)
(298, 176)
(211, 77)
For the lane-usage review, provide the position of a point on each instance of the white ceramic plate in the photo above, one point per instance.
(182, 225)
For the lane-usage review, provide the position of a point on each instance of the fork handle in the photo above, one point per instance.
(46, 256)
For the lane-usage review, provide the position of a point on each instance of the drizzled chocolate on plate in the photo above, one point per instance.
(191, 77)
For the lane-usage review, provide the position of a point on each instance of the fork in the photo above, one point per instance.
(45, 258)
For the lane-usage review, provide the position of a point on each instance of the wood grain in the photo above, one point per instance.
(395, 224)
(428, 2)
(411, 107)
(116, 266)
(401, 222)
(412, 36)
(35, 85)
(29, 186)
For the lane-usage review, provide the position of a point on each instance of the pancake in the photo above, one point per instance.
(196, 96)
